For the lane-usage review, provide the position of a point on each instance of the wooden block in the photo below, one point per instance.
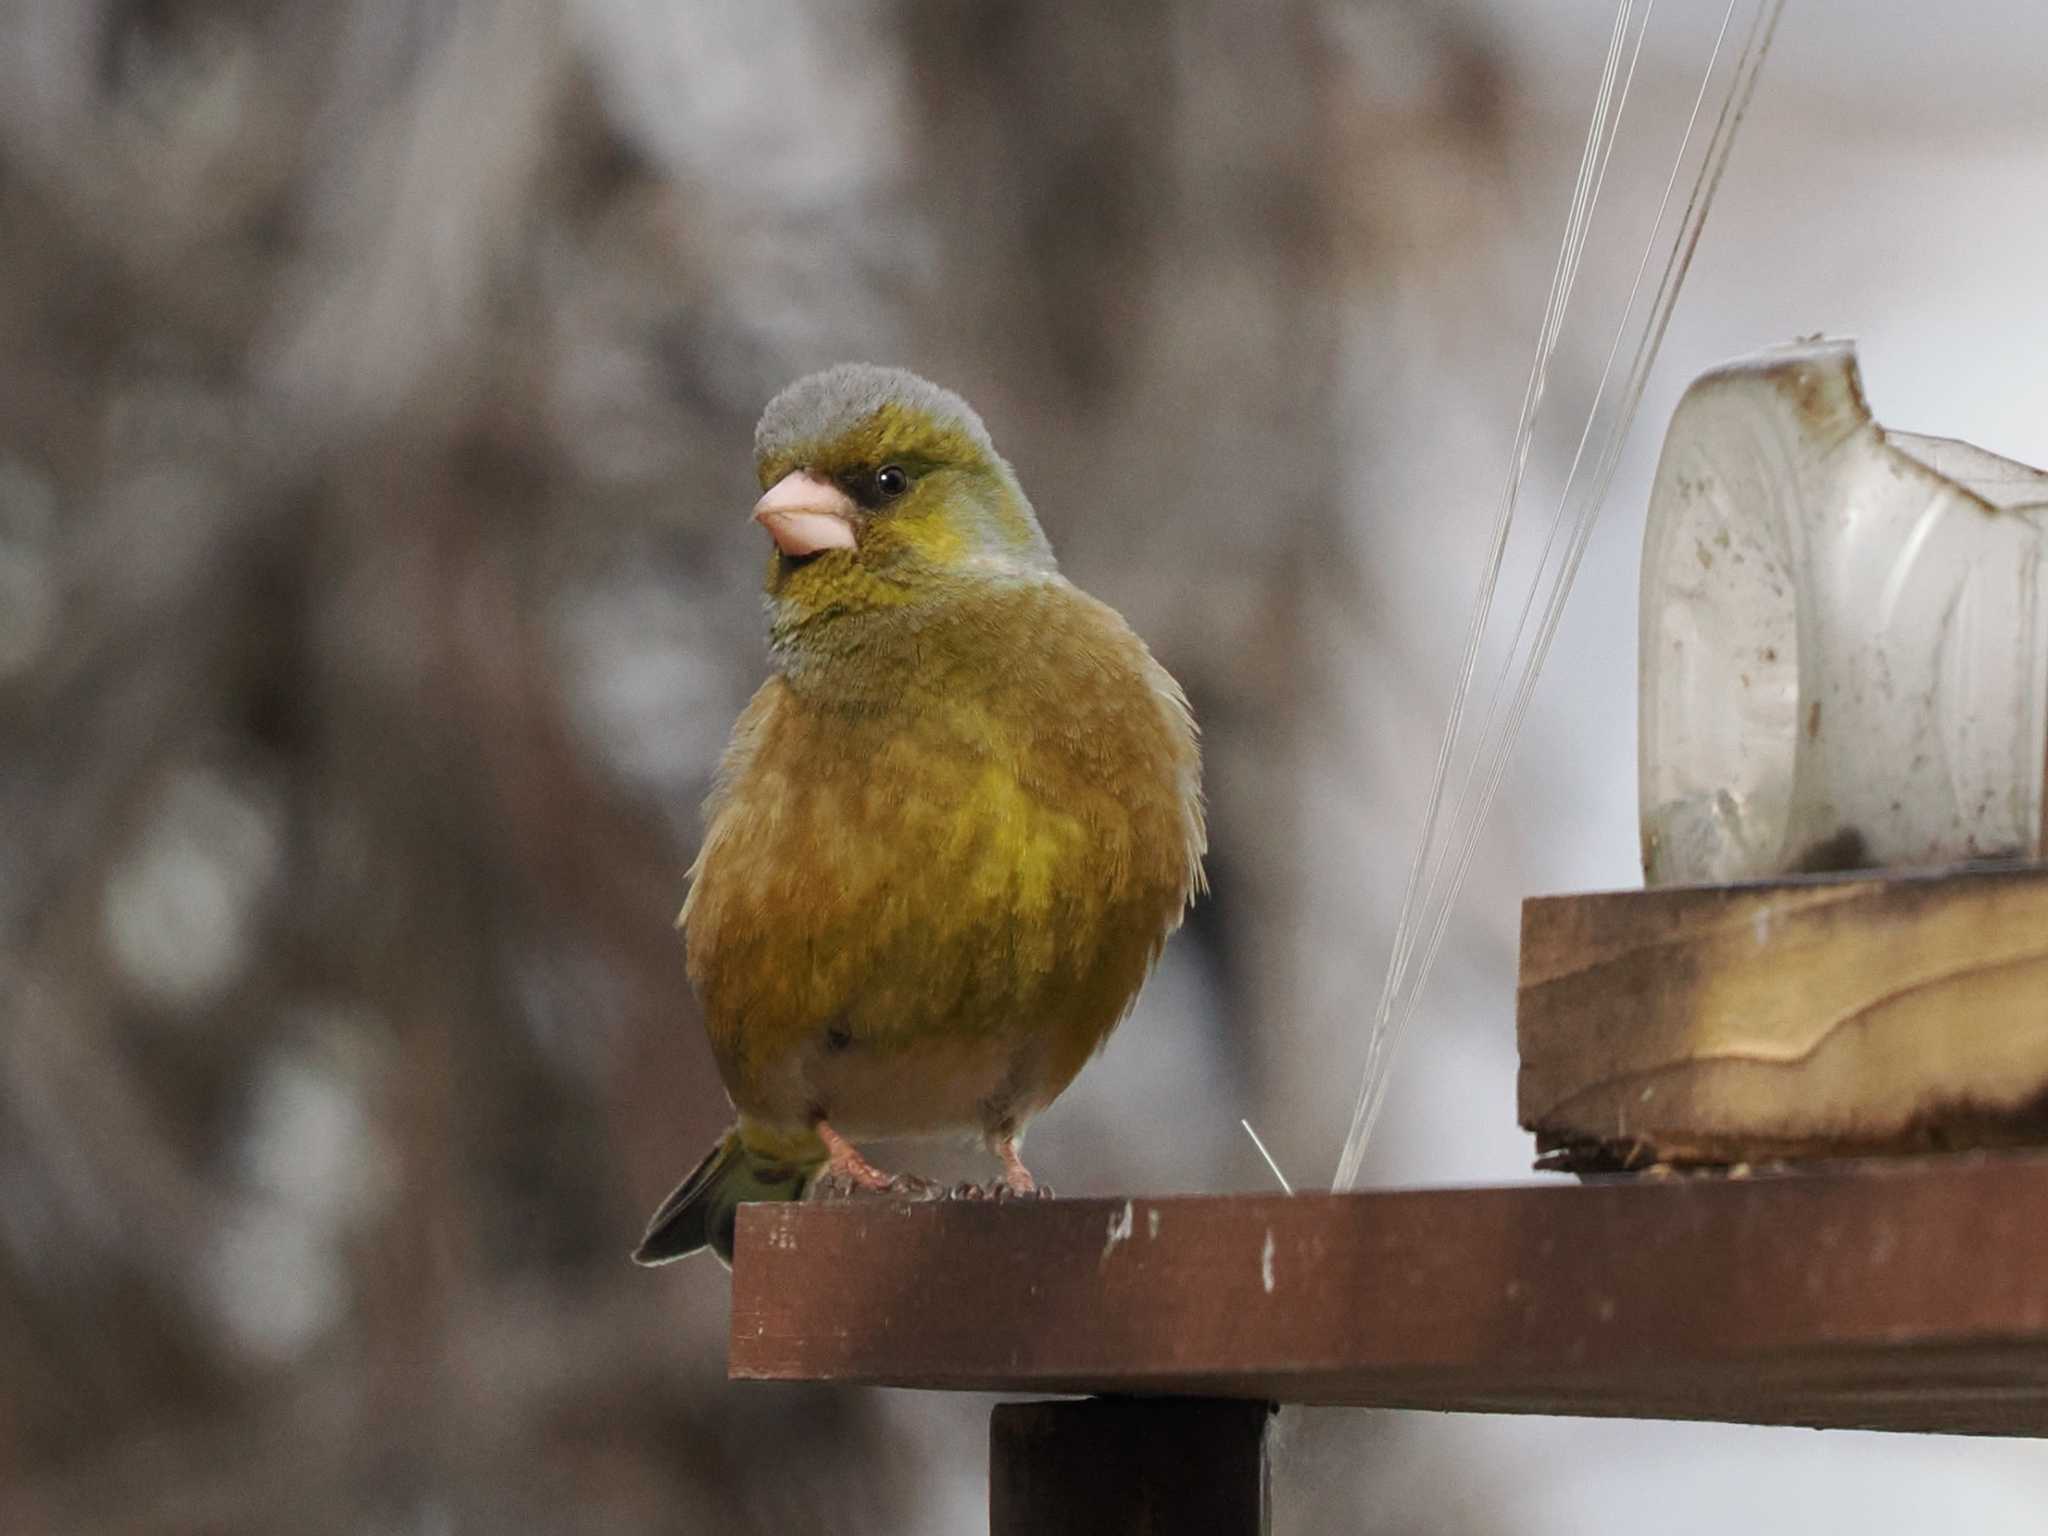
(1110, 1466)
(1819, 1016)
(1896, 1295)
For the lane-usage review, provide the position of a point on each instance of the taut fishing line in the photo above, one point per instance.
(1448, 842)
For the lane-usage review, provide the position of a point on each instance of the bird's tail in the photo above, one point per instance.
(704, 1207)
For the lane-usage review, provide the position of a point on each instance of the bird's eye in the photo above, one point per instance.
(891, 482)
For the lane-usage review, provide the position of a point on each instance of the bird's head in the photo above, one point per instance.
(881, 490)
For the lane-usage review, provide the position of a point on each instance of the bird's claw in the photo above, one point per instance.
(997, 1190)
(827, 1187)
(1003, 1192)
(835, 1185)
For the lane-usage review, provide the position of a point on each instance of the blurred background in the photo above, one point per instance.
(376, 388)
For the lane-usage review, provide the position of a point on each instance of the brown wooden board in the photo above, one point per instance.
(1822, 1016)
(1897, 1295)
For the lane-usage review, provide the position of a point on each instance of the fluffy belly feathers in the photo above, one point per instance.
(933, 933)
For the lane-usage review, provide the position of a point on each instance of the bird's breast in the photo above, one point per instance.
(918, 910)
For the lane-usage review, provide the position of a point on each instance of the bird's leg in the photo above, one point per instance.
(847, 1173)
(1017, 1183)
(844, 1162)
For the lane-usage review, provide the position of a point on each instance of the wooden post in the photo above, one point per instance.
(1188, 1466)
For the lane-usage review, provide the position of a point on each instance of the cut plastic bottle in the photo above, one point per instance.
(1844, 635)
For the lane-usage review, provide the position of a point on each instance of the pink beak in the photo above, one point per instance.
(805, 514)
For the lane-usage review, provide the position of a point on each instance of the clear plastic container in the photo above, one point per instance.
(1844, 635)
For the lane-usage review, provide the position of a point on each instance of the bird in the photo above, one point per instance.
(950, 834)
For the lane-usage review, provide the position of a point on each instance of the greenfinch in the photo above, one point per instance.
(950, 834)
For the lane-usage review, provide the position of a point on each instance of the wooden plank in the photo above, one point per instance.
(1905, 1295)
(1110, 1466)
(1825, 1016)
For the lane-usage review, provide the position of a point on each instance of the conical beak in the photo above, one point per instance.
(806, 514)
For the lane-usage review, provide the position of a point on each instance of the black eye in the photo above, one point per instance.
(891, 482)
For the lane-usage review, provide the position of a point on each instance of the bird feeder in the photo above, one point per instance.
(1844, 635)
(1843, 946)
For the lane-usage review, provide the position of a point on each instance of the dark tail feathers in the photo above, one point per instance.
(702, 1211)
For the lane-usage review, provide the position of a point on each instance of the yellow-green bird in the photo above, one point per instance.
(951, 832)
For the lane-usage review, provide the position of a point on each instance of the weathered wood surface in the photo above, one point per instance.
(1831, 1015)
(1899, 1295)
(1113, 1466)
